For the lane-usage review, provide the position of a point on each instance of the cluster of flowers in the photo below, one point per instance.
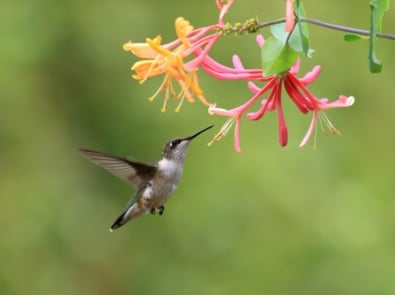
(178, 62)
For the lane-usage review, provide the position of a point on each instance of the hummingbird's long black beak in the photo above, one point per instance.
(197, 133)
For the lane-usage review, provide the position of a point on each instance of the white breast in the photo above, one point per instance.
(169, 175)
(170, 169)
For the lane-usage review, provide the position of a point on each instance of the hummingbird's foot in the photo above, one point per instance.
(161, 210)
(153, 211)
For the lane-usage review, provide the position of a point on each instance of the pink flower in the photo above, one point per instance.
(295, 88)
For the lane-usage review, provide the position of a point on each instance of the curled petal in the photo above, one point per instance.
(260, 40)
(266, 105)
(237, 62)
(295, 68)
(341, 102)
(311, 76)
(253, 116)
(253, 87)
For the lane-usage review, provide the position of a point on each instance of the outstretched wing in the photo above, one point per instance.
(132, 171)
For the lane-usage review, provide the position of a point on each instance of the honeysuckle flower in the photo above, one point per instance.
(168, 60)
(171, 61)
(294, 86)
(302, 98)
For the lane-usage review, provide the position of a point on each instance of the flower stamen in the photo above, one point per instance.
(324, 120)
(223, 131)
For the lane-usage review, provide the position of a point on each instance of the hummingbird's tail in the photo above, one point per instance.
(126, 216)
(121, 220)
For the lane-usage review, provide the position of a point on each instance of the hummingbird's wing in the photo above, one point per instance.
(135, 172)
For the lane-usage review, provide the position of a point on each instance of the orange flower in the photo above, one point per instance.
(168, 59)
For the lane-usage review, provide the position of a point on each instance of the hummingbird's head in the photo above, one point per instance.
(176, 149)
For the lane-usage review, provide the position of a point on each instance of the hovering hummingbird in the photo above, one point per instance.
(154, 183)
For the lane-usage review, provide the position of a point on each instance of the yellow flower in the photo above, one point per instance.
(168, 59)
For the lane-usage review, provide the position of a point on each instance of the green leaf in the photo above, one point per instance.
(280, 34)
(354, 37)
(377, 10)
(278, 31)
(277, 57)
(299, 39)
(303, 30)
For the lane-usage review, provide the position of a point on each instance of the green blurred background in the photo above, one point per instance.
(270, 220)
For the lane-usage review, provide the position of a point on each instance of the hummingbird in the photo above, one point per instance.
(154, 183)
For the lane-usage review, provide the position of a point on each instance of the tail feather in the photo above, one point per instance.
(121, 220)
(126, 216)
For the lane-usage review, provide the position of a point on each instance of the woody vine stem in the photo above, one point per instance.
(345, 29)
(330, 26)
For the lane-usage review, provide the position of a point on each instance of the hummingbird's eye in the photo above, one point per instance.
(174, 143)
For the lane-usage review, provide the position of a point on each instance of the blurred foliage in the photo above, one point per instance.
(270, 220)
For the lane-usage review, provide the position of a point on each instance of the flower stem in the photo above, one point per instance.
(330, 26)
(344, 28)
